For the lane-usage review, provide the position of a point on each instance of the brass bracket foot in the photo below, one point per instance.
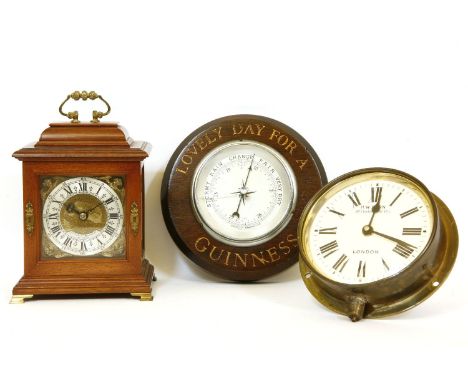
(143, 296)
(19, 298)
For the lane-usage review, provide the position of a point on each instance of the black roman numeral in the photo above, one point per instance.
(336, 212)
(409, 212)
(328, 231)
(67, 189)
(385, 264)
(110, 230)
(341, 263)
(354, 199)
(83, 187)
(67, 242)
(55, 229)
(394, 200)
(361, 272)
(404, 249)
(412, 231)
(113, 215)
(328, 249)
(109, 201)
(376, 194)
(53, 216)
(83, 247)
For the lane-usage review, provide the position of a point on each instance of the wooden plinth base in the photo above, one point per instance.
(137, 285)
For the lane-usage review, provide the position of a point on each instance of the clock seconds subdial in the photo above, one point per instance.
(244, 193)
(83, 216)
(370, 230)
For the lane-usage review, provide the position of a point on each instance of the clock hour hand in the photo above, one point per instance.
(70, 207)
(375, 209)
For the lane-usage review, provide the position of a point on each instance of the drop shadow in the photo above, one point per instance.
(159, 247)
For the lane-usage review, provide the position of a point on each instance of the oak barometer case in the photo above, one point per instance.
(233, 192)
(83, 198)
(375, 242)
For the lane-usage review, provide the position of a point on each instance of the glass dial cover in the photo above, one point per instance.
(244, 192)
(368, 227)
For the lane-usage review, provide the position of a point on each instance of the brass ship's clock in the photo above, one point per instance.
(233, 192)
(83, 196)
(375, 242)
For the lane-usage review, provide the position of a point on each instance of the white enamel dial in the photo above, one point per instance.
(368, 227)
(82, 216)
(244, 192)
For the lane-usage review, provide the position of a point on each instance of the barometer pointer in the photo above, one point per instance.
(241, 195)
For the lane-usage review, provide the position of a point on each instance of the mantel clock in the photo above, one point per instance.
(83, 199)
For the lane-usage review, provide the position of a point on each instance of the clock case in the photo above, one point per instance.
(277, 254)
(396, 293)
(94, 150)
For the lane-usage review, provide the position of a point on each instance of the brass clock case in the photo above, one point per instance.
(393, 294)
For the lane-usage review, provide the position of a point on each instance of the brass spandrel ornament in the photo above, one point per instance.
(82, 183)
(375, 242)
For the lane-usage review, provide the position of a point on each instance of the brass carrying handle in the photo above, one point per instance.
(84, 95)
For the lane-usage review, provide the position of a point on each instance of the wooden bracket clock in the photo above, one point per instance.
(233, 192)
(83, 201)
(375, 242)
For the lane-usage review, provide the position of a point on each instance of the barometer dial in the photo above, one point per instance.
(244, 192)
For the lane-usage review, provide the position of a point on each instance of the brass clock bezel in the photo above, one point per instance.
(396, 293)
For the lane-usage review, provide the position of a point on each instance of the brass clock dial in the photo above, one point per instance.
(375, 242)
(83, 216)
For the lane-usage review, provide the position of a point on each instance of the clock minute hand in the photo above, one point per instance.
(398, 241)
(96, 206)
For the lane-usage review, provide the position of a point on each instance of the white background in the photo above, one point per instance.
(368, 83)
